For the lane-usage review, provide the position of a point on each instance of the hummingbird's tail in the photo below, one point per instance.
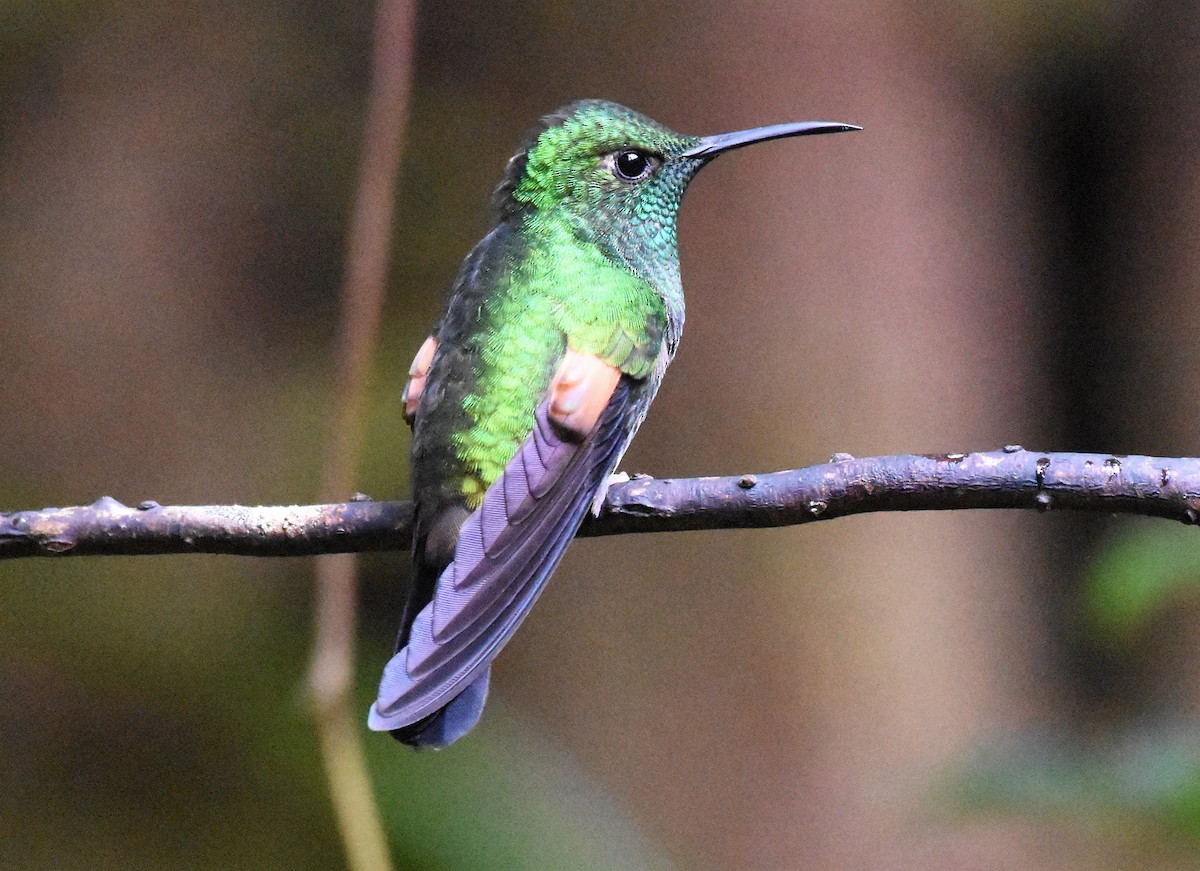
(443, 728)
(434, 550)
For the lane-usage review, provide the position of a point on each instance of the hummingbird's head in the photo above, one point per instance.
(592, 157)
(617, 178)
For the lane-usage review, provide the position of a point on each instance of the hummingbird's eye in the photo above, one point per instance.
(632, 165)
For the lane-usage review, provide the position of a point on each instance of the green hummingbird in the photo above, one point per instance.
(543, 364)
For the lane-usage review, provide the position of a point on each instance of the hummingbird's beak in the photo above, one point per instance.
(711, 146)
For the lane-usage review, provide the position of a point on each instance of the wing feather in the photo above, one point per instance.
(506, 550)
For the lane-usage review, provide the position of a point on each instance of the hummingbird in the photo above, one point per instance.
(545, 359)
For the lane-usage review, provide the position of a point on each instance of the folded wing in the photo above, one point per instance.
(506, 550)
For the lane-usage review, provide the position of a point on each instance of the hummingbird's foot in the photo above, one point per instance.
(614, 478)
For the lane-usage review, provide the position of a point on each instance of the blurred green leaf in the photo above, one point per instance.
(1130, 579)
(1140, 781)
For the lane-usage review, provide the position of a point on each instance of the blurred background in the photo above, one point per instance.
(1006, 254)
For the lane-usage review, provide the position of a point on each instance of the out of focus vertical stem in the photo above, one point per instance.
(362, 294)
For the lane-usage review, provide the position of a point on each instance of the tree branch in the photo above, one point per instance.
(1011, 478)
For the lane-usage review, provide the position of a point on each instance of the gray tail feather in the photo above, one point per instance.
(450, 723)
(460, 715)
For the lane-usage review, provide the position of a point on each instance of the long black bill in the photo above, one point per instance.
(710, 146)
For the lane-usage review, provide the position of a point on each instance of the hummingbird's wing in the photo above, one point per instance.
(506, 550)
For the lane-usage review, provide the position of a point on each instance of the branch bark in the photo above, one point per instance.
(1010, 478)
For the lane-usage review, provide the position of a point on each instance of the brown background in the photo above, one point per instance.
(1006, 254)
